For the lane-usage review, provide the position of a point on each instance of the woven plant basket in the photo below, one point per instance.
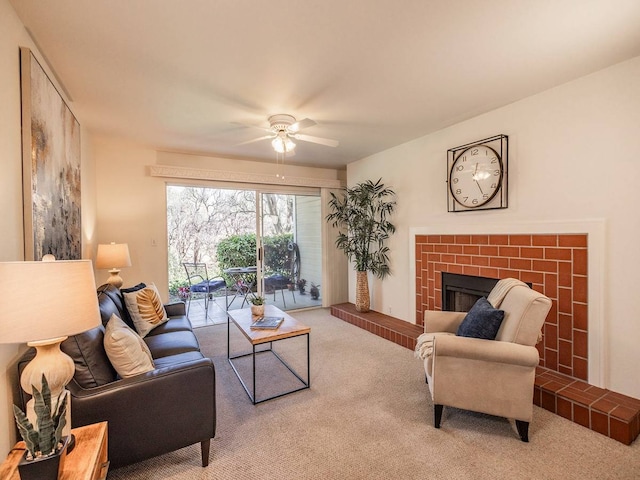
(362, 292)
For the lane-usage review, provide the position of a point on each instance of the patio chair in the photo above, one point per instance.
(200, 285)
(281, 282)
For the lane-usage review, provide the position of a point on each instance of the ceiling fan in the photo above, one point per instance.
(283, 129)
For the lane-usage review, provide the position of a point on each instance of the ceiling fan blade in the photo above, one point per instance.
(255, 140)
(322, 141)
(299, 125)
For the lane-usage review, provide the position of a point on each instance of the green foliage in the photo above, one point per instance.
(256, 300)
(240, 251)
(175, 284)
(51, 422)
(277, 257)
(361, 216)
(237, 251)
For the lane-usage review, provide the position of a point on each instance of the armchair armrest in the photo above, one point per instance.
(175, 309)
(485, 350)
(437, 321)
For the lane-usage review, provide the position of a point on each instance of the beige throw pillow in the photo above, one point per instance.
(146, 309)
(127, 352)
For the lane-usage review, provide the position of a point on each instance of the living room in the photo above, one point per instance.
(572, 147)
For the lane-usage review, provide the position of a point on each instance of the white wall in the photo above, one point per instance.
(573, 157)
(14, 36)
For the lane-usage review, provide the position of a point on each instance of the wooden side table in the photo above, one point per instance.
(87, 461)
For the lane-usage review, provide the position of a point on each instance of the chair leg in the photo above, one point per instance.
(437, 415)
(283, 300)
(204, 450)
(523, 430)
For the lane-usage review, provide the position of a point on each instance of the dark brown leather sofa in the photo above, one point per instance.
(153, 413)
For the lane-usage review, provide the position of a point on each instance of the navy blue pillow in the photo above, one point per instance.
(482, 321)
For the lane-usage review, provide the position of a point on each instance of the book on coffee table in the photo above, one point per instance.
(267, 322)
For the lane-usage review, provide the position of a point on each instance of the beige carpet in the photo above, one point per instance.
(368, 416)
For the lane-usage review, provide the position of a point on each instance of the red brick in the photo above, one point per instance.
(454, 248)
(440, 248)
(548, 401)
(545, 266)
(509, 251)
(498, 262)
(580, 343)
(550, 336)
(447, 238)
(580, 368)
(463, 259)
(565, 353)
(564, 301)
(532, 252)
(481, 261)
(600, 423)
(520, 264)
(469, 270)
(581, 415)
(532, 277)
(524, 240)
(489, 251)
(564, 274)
(557, 253)
(471, 250)
(580, 317)
(579, 289)
(498, 239)
(489, 272)
(433, 239)
(572, 240)
(564, 408)
(463, 239)
(544, 240)
(480, 239)
(448, 258)
(565, 327)
(579, 261)
(551, 285)
(620, 431)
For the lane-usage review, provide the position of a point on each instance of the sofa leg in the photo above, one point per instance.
(437, 415)
(204, 449)
(523, 430)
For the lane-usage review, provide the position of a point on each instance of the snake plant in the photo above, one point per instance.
(43, 441)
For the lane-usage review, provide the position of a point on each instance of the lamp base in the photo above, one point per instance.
(114, 278)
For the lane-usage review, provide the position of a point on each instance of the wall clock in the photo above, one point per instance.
(477, 175)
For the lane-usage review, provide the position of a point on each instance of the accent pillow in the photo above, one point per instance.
(482, 321)
(127, 352)
(146, 309)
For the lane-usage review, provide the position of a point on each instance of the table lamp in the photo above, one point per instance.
(113, 256)
(41, 303)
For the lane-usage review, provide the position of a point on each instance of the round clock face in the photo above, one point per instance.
(475, 176)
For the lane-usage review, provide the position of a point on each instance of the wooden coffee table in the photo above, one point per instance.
(289, 328)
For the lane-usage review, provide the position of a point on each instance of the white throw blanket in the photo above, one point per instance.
(424, 346)
(501, 289)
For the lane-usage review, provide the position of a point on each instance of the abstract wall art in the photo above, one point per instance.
(51, 167)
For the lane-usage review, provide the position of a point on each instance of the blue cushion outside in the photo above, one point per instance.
(482, 321)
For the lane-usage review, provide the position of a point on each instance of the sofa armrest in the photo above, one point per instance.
(485, 350)
(437, 321)
(152, 413)
(175, 309)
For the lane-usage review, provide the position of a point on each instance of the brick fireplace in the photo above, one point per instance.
(555, 265)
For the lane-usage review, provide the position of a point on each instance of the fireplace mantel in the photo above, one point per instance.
(476, 235)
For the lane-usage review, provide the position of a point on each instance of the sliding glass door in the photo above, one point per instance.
(258, 242)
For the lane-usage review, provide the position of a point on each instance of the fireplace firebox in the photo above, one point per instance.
(460, 292)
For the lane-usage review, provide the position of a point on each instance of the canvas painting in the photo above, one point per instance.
(51, 167)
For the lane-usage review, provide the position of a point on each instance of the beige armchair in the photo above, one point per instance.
(495, 377)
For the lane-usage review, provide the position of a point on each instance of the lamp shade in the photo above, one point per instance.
(44, 300)
(113, 255)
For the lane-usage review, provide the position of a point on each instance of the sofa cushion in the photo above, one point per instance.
(127, 316)
(92, 365)
(127, 352)
(482, 321)
(174, 324)
(172, 343)
(146, 309)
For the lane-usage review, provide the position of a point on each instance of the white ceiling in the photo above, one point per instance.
(181, 75)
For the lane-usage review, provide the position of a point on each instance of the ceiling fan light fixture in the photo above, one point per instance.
(283, 145)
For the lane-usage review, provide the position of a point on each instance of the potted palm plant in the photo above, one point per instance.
(46, 447)
(361, 215)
